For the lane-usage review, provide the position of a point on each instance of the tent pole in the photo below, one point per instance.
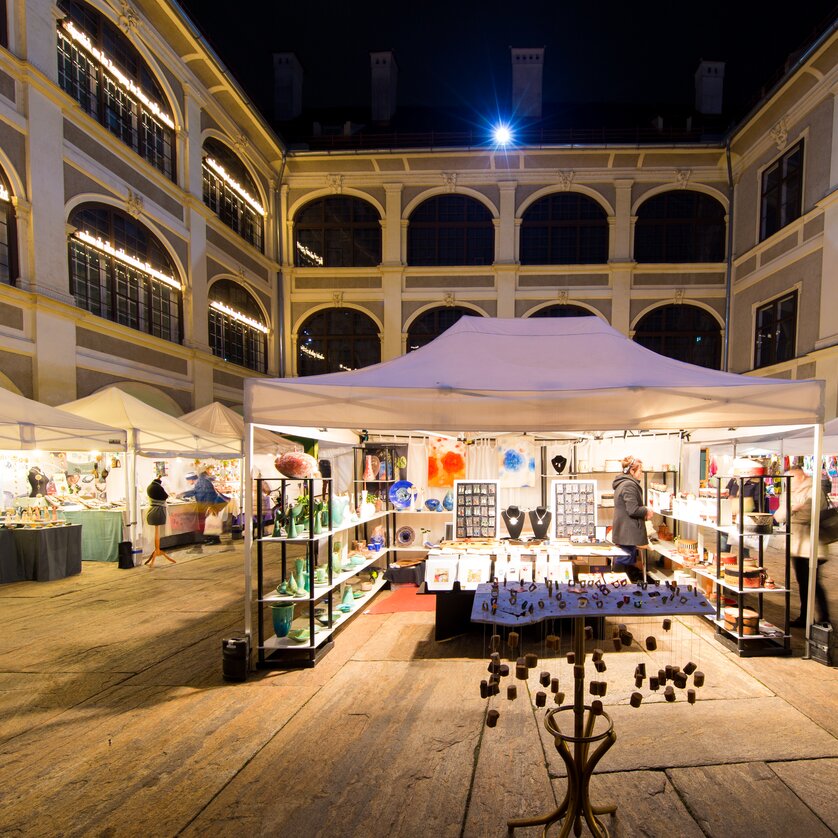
(247, 484)
(814, 531)
(132, 498)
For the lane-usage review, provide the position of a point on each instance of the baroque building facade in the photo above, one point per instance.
(155, 232)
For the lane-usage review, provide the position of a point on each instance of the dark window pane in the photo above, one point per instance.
(433, 323)
(683, 332)
(8, 235)
(782, 192)
(335, 340)
(337, 232)
(775, 335)
(451, 230)
(560, 310)
(680, 226)
(564, 229)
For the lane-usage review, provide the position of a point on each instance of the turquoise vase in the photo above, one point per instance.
(291, 525)
(302, 575)
(348, 598)
(282, 616)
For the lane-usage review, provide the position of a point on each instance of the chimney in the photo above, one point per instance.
(288, 86)
(527, 67)
(385, 75)
(709, 86)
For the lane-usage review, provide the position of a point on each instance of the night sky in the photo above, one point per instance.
(457, 53)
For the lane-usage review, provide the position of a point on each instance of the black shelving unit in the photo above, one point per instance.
(276, 652)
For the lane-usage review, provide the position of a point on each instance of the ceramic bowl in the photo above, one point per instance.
(300, 635)
(433, 505)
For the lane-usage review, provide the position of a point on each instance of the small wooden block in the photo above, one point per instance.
(596, 707)
(531, 660)
(579, 670)
(640, 670)
(589, 633)
(654, 684)
(690, 668)
(512, 692)
(559, 698)
(512, 639)
(617, 644)
(603, 687)
(494, 642)
(484, 689)
(571, 657)
(662, 676)
(521, 672)
(596, 655)
(554, 685)
(680, 680)
(667, 624)
(669, 693)
(651, 643)
(691, 696)
(492, 718)
(552, 641)
(638, 681)
(593, 688)
(544, 679)
(600, 666)
(504, 670)
(626, 638)
(540, 699)
(698, 678)
(636, 698)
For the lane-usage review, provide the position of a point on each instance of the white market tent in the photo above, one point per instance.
(151, 433)
(26, 424)
(535, 374)
(221, 420)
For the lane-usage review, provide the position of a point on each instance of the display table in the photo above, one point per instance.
(101, 533)
(45, 554)
(11, 564)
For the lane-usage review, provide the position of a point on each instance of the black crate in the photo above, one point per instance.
(822, 634)
(235, 658)
(821, 654)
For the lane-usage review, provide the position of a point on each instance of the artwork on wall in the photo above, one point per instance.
(446, 462)
(516, 462)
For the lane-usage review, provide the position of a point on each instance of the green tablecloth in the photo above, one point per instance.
(101, 533)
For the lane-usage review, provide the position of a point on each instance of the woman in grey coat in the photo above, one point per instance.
(630, 515)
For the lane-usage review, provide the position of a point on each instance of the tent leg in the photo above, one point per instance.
(815, 531)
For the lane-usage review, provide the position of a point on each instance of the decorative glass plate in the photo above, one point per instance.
(401, 494)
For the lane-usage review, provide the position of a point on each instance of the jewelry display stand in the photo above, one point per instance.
(513, 519)
(512, 605)
(540, 519)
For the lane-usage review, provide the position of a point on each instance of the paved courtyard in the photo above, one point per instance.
(114, 721)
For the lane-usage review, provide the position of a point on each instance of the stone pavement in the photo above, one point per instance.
(114, 721)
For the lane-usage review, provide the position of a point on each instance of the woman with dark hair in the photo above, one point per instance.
(630, 515)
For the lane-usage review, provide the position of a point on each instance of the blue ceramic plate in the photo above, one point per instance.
(400, 494)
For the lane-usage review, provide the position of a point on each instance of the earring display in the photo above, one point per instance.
(476, 508)
(574, 503)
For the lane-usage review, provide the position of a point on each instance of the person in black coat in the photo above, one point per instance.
(630, 515)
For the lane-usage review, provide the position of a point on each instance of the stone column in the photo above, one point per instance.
(620, 257)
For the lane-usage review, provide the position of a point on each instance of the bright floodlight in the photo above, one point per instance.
(503, 136)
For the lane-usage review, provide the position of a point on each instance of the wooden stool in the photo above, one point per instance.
(157, 551)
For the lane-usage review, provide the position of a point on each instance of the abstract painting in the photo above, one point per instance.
(446, 462)
(516, 462)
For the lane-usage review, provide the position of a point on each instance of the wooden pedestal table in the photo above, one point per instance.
(157, 551)
(509, 606)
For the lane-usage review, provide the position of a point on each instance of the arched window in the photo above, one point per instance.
(8, 234)
(564, 229)
(451, 230)
(237, 329)
(337, 232)
(335, 340)
(433, 323)
(229, 191)
(560, 310)
(102, 70)
(120, 271)
(683, 332)
(680, 226)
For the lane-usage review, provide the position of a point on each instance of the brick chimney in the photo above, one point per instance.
(527, 71)
(288, 86)
(385, 75)
(709, 86)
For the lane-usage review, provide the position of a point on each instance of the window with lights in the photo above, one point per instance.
(237, 329)
(337, 340)
(337, 232)
(432, 323)
(120, 271)
(229, 191)
(102, 70)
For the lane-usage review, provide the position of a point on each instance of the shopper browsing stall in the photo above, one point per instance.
(208, 499)
(801, 521)
(630, 516)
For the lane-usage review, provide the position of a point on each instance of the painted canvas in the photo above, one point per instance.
(446, 462)
(516, 462)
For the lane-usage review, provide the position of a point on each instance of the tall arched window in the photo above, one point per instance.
(432, 323)
(103, 71)
(335, 340)
(683, 332)
(120, 271)
(451, 230)
(560, 310)
(8, 234)
(680, 226)
(337, 232)
(229, 191)
(238, 332)
(564, 229)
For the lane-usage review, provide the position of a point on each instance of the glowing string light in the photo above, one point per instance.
(309, 254)
(312, 353)
(234, 185)
(86, 44)
(4, 193)
(237, 315)
(121, 256)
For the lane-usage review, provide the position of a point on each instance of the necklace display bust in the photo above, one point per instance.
(513, 519)
(540, 518)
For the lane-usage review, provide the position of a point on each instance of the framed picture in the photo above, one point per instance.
(441, 572)
(472, 570)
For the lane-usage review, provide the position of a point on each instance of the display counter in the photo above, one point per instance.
(41, 554)
(101, 532)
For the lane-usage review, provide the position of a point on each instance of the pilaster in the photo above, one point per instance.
(391, 226)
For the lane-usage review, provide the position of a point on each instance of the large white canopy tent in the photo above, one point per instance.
(151, 433)
(535, 374)
(26, 424)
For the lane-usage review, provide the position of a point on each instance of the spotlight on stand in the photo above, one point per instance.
(502, 135)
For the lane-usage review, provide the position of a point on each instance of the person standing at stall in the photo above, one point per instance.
(630, 515)
(207, 498)
(801, 523)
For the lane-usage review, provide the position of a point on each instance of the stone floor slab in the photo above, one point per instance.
(814, 781)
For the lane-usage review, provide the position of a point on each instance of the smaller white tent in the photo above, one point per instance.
(26, 424)
(221, 420)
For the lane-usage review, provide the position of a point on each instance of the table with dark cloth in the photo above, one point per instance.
(11, 564)
(404, 575)
(101, 533)
(49, 553)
